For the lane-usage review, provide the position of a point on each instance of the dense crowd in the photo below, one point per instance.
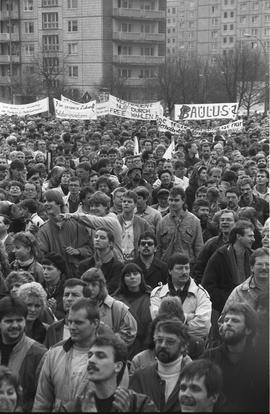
(133, 279)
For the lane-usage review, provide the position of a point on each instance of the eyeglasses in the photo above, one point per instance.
(146, 243)
(168, 341)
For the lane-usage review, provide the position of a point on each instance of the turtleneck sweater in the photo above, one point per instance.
(170, 373)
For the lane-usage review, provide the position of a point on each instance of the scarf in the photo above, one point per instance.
(181, 293)
(170, 373)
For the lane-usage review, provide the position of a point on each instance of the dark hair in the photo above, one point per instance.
(12, 306)
(163, 172)
(6, 220)
(251, 319)
(118, 345)
(201, 189)
(176, 327)
(147, 235)
(54, 195)
(7, 375)
(239, 228)
(29, 204)
(72, 282)
(172, 307)
(29, 240)
(104, 180)
(206, 368)
(262, 251)
(84, 165)
(96, 275)
(130, 194)
(176, 191)
(109, 233)
(56, 260)
(100, 198)
(232, 190)
(84, 191)
(177, 258)
(90, 307)
(129, 268)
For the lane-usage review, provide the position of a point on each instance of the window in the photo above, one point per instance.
(126, 27)
(169, 30)
(214, 34)
(224, 39)
(214, 45)
(72, 25)
(29, 27)
(72, 48)
(254, 32)
(214, 21)
(231, 39)
(266, 31)
(29, 50)
(225, 27)
(49, 3)
(147, 73)
(255, 5)
(28, 5)
(254, 19)
(51, 64)
(29, 69)
(73, 71)
(225, 15)
(231, 26)
(244, 5)
(232, 14)
(225, 2)
(50, 43)
(124, 50)
(49, 20)
(267, 18)
(147, 51)
(267, 4)
(173, 10)
(124, 73)
(126, 4)
(243, 19)
(72, 4)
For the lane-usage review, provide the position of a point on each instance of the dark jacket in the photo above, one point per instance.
(261, 206)
(138, 403)
(38, 331)
(218, 277)
(148, 381)
(54, 333)
(207, 251)
(240, 379)
(157, 272)
(112, 271)
(57, 294)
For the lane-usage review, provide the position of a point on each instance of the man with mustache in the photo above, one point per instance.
(248, 199)
(238, 359)
(106, 359)
(200, 387)
(160, 380)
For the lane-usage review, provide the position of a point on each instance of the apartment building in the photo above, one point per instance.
(209, 28)
(85, 44)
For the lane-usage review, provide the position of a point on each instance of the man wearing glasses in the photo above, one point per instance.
(160, 380)
(154, 270)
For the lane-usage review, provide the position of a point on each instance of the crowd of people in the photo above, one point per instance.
(133, 279)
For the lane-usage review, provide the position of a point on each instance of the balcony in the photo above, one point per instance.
(137, 81)
(139, 14)
(138, 60)
(7, 58)
(139, 37)
(4, 80)
(4, 37)
(6, 15)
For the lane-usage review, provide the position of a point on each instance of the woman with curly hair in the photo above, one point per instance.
(27, 253)
(35, 298)
(15, 279)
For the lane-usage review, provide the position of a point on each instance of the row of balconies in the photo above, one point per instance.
(139, 14)
(139, 37)
(138, 60)
(6, 15)
(4, 59)
(4, 37)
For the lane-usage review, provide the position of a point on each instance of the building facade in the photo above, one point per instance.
(80, 45)
(209, 28)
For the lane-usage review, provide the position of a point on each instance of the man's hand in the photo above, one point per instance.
(71, 251)
(52, 304)
(66, 216)
(121, 400)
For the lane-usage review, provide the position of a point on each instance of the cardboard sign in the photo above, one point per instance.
(206, 111)
(27, 109)
(166, 124)
(232, 126)
(66, 110)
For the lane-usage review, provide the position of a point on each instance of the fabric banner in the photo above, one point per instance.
(125, 109)
(27, 109)
(166, 124)
(232, 126)
(170, 150)
(102, 108)
(66, 110)
(206, 111)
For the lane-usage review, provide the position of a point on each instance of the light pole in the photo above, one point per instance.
(266, 80)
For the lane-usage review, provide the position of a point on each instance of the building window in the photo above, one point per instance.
(73, 71)
(29, 69)
(124, 73)
(224, 39)
(243, 5)
(267, 4)
(51, 64)
(267, 31)
(126, 4)
(232, 14)
(72, 25)
(254, 19)
(254, 32)
(225, 15)
(225, 27)
(29, 50)
(267, 18)
(147, 51)
(29, 27)
(243, 19)
(50, 43)
(231, 26)
(255, 5)
(28, 5)
(225, 2)
(49, 20)
(72, 4)
(231, 39)
(214, 21)
(126, 27)
(173, 10)
(72, 48)
(49, 3)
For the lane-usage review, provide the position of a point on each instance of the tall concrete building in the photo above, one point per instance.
(82, 44)
(212, 27)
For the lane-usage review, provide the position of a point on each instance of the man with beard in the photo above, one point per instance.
(248, 199)
(227, 220)
(134, 179)
(237, 358)
(106, 359)
(200, 387)
(21, 354)
(201, 209)
(160, 380)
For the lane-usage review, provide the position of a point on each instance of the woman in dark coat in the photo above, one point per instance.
(134, 292)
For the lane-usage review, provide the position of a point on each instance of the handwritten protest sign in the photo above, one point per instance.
(102, 108)
(206, 111)
(27, 109)
(67, 110)
(166, 124)
(125, 109)
(232, 126)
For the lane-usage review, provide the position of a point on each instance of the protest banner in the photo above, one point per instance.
(102, 108)
(32, 108)
(136, 146)
(205, 111)
(232, 126)
(170, 150)
(166, 124)
(66, 110)
(125, 109)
